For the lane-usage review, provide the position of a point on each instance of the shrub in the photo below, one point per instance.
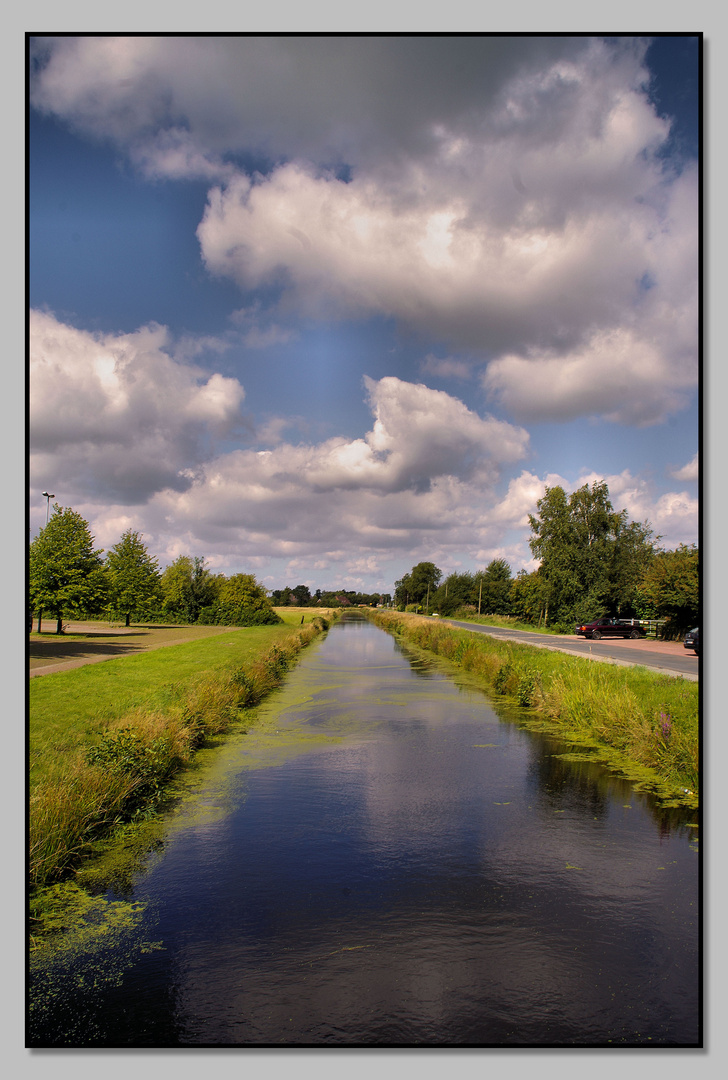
(147, 766)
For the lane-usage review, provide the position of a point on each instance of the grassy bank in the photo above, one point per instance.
(640, 723)
(107, 739)
(510, 622)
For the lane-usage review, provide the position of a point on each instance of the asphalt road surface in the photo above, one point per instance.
(670, 657)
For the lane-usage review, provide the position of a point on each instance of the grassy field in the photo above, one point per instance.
(642, 724)
(105, 739)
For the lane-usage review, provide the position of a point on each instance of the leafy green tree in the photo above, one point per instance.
(456, 591)
(592, 558)
(65, 571)
(302, 595)
(176, 585)
(205, 587)
(414, 587)
(494, 588)
(634, 552)
(241, 601)
(188, 586)
(528, 595)
(133, 575)
(671, 586)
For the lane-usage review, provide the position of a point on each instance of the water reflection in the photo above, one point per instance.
(399, 866)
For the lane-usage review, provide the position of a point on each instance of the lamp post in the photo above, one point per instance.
(49, 495)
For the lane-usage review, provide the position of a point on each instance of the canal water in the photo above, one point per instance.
(391, 860)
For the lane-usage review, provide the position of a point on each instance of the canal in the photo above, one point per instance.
(390, 859)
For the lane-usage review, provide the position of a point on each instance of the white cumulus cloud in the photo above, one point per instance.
(504, 194)
(116, 415)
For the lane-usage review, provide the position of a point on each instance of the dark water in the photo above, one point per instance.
(389, 862)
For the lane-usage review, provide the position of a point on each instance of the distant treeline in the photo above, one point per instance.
(301, 596)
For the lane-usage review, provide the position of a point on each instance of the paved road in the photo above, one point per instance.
(670, 657)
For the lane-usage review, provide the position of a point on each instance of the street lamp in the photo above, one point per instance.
(48, 496)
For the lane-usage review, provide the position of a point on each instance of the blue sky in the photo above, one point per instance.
(319, 308)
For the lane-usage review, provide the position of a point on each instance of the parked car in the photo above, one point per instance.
(625, 628)
(692, 640)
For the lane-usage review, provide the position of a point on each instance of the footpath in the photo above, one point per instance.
(100, 642)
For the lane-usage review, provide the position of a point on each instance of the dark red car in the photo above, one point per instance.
(611, 628)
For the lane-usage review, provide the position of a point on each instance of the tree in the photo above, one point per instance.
(205, 587)
(241, 601)
(176, 585)
(301, 596)
(414, 587)
(591, 557)
(188, 586)
(634, 552)
(133, 575)
(494, 588)
(528, 595)
(671, 585)
(65, 571)
(456, 591)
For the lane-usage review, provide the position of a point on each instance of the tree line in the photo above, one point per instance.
(69, 578)
(301, 596)
(594, 563)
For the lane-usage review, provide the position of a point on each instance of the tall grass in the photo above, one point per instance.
(121, 772)
(635, 715)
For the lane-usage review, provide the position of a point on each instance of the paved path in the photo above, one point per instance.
(54, 654)
(669, 657)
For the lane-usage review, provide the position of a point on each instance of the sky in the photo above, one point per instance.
(319, 308)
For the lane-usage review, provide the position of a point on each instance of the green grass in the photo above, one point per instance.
(641, 723)
(48, 648)
(69, 708)
(509, 622)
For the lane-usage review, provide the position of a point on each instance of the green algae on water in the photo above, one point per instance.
(86, 945)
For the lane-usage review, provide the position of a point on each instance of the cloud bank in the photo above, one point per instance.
(508, 202)
(521, 210)
(136, 431)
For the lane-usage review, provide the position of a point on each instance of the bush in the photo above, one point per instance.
(147, 765)
(230, 615)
